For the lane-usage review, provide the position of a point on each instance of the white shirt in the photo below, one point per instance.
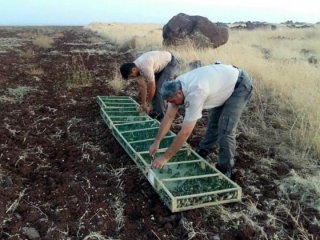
(207, 87)
(152, 62)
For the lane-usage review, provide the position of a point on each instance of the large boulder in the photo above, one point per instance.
(197, 29)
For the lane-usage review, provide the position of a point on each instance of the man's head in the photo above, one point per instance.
(171, 91)
(129, 70)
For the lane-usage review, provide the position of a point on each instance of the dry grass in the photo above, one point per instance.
(294, 217)
(16, 202)
(43, 41)
(306, 188)
(118, 205)
(116, 83)
(35, 71)
(16, 95)
(77, 74)
(29, 53)
(284, 72)
(189, 53)
(96, 235)
(134, 36)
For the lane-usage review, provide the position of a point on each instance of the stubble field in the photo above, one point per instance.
(64, 176)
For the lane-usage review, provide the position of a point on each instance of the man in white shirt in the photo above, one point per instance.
(225, 91)
(151, 69)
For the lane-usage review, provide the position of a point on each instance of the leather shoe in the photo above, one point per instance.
(202, 152)
(226, 171)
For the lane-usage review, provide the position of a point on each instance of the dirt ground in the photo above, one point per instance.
(64, 176)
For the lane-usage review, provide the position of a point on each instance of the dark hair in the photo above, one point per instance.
(125, 69)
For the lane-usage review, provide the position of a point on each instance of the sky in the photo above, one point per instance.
(83, 12)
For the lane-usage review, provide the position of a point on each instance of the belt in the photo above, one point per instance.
(239, 79)
(172, 58)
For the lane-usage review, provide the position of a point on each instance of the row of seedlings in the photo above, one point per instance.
(187, 181)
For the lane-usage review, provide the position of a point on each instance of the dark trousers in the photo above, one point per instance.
(223, 121)
(168, 73)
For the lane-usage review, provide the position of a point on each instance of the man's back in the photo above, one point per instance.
(207, 87)
(152, 62)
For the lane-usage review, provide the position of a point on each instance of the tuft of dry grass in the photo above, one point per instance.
(16, 202)
(97, 235)
(306, 188)
(35, 71)
(16, 95)
(116, 83)
(29, 53)
(294, 217)
(117, 200)
(77, 74)
(43, 41)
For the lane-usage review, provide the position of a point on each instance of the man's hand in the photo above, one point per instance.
(153, 149)
(145, 108)
(160, 162)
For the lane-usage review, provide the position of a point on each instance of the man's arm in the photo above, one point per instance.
(147, 92)
(167, 121)
(151, 90)
(177, 143)
(164, 127)
(180, 139)
(143, 90)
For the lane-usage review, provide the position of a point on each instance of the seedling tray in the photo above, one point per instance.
(187, 181)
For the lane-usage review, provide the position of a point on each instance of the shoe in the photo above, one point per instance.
(153, 114)
(226, 171)
(202, 152)
(159, 117)
(156, 116)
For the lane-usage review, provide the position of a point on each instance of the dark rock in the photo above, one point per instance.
(291, 24)
(253, 25)
(312, 60)
(195, 64)
(198, 30)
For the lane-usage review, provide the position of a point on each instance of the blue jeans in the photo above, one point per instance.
(223, 122)
(168, 73)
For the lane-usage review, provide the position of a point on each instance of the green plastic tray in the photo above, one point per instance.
(187, 181)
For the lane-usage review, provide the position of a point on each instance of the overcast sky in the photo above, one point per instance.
(83, 12)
